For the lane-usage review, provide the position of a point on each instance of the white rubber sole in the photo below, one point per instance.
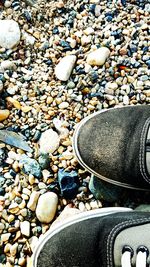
(74, 219)
(85, 166)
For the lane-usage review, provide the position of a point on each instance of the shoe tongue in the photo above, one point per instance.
(148, 151)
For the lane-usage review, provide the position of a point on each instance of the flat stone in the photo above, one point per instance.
(9, 33)
(98, 57)
(46, 207)
(49, 142)
(64, 68)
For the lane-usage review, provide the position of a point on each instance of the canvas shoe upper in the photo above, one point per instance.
(112, 145)
(103, 238)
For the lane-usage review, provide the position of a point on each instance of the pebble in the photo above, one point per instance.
(64, 68)
(1, 87)
(8, 65)
(69, 183)
(9, 28)
(98, 57)
(25, 228)
(46, 207)
(49, 141)
(4, 114)
(30, 166)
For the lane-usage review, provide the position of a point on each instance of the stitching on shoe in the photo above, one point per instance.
(142, 151)
(114, 231)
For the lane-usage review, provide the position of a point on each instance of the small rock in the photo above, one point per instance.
(104, 190)
(69, 183)
(49, 142)
(63, 105)
(125, 100)
(33, 200)
(44, 161)
(25, 228)
(8, 65)
(9, 33)
(98, 57)
(5, 237)
(46, 207)
(64, 68)
(4, 114)
(1, 87)
(30, 166)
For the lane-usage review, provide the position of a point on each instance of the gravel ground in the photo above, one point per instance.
(59, 62)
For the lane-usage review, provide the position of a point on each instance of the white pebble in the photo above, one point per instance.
(98, 57)
(9, 33)
(33, 200)
(64, 68)
(25, 228)
(49, 141)
(46, 207)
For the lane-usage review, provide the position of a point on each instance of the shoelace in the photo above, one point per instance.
(141, 256)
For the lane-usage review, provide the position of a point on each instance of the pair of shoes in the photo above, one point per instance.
(114, 146)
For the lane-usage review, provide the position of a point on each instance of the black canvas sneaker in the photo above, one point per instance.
(114, 145)
(107, 237)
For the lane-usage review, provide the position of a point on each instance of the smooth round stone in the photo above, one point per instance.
(49, 142)
(98, 57)
(64, 68)
(46, 207)
(9, 33)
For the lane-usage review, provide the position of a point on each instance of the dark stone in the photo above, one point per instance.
(36, 136)
(2, 78)
(55, 30)
(2, 191)
(148, 63)
(12, 173)
(31, 166)
(93, 76)
(103, 190)
(2, 181)
(2, 156)
(44, 161)
(27, 16)
(54, 187)
(69, 183)
(16, 5)
(2, 258)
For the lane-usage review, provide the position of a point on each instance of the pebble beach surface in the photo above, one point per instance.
(59, 62)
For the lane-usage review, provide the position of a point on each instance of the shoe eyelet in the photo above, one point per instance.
(128, 248)
(143, 248)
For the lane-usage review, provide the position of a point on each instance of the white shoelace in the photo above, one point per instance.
(141, 257)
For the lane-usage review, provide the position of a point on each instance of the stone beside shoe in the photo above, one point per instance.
(112, 145)
(107, 237)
